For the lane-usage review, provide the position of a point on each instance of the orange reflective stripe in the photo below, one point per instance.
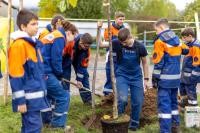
(158, 51)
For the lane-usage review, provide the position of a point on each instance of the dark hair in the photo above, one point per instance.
(86, 38)
(24, 17)
(188, 31)
(119, 14)
(162, 21)
(124, 34)
(56, 19)
(69, 26)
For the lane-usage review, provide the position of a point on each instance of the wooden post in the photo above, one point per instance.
(145, 37)
(115, 110)
(20, 5)
(7, 46)
(197, 25)
(95, 65)
(0, 3)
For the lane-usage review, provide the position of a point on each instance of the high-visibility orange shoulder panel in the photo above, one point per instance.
(43, 34)
(195, 53)
(114, 32)
(69, 48)
(158, 51)
(49, 38)
(173, 51)
(19, 52)
(85, 62)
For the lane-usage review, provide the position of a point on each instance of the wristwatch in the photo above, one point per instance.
(146, 79)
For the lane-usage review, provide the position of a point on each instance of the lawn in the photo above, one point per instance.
(10, 122)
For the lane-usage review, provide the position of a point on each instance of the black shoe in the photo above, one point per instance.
(89, 103)
(132, 128)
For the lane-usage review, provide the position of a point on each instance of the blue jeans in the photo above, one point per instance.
(31, 122)
(137, 98)
(61, 98)
(108, 85)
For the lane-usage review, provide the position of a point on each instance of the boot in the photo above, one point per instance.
(175, 129)
(183, 102)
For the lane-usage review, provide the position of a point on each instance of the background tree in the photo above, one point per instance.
(188, 14)
(151, 10)
(85, 9)
(48, 8)
(93, 9)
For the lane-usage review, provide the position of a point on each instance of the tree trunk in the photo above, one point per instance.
(95, 66)
(7, 46)
(20, 5)
(115, 110)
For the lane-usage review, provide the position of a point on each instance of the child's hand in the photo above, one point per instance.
(22, 108)
(79, 85)
(99, 24)
(146, 85)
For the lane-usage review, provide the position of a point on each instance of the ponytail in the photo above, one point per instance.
(69, 26)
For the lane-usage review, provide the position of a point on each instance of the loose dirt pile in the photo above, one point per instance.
(148, 115)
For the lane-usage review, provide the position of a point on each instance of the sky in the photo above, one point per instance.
(180, 4)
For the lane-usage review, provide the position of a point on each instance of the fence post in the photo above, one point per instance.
(197, 24)
(145, 38)
(20, 5)
(7, 46)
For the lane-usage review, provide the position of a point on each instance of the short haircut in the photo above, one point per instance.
(188, 31)
(162, 21)
(124, 34)
(24, 17)
(87, 38)
(56, 19)
(119, 14)
(69, 26)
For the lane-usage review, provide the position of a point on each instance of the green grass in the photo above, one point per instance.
(10, 122)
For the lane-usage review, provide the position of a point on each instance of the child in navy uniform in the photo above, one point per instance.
(25, 72)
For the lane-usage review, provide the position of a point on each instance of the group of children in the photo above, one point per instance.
(39, 68)
(167, 76)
